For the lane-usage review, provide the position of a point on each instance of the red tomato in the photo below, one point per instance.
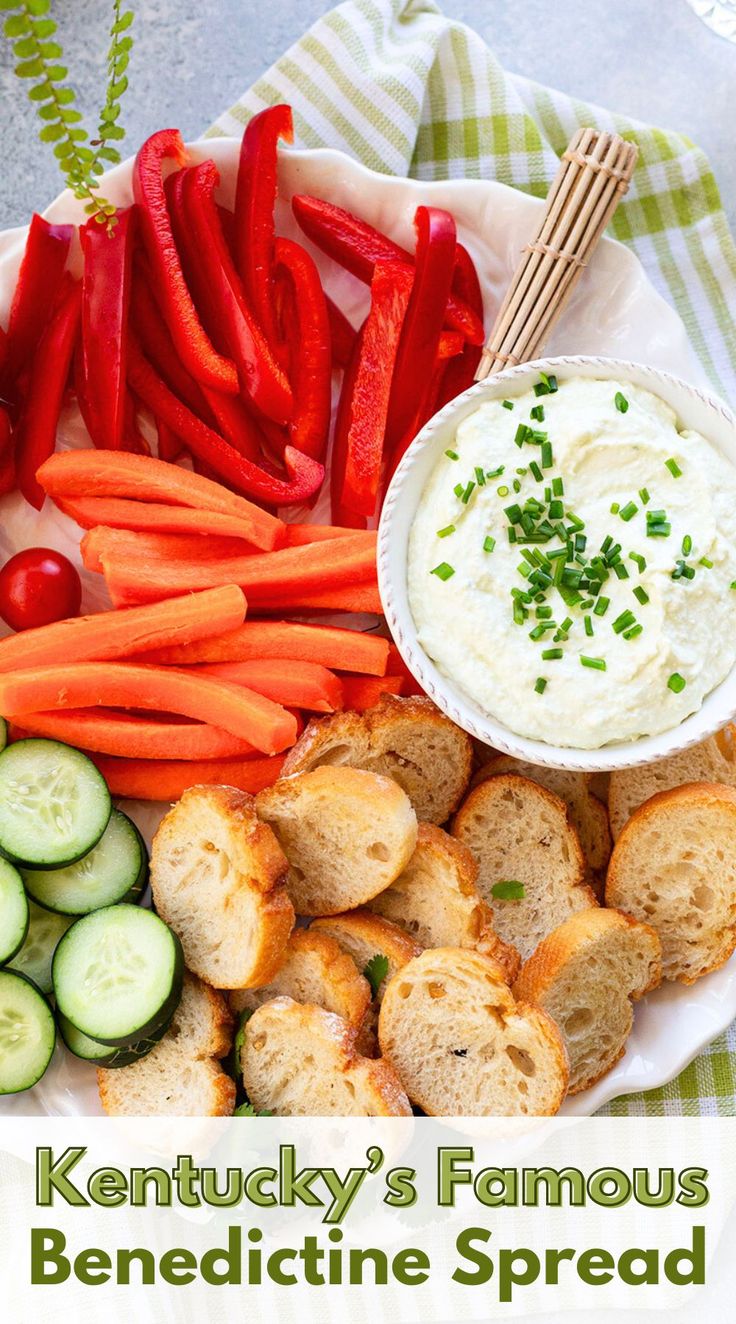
(38, 586)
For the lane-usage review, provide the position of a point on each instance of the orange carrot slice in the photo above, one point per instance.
(164, 779)
(144, 478)
(109, 635)
(349, 597)
(149, 517)
(266, 725)
(330, 645)
(298, 535)
(295, 684)
(107, 732)
(361, 692)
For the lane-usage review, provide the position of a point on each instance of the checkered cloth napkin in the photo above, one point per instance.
(408, 92)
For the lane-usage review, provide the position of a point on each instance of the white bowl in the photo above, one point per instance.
(695, 409)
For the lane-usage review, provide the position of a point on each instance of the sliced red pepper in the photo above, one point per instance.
(169, 446)
(339, 457)
(364, 415)
(219, 291)
(459, 374)
(105, 303)
(194, 347)
(153, 334)
(415, 361)
(133, 439)
(308, 337)
(235, 423)
(450, 344)
(35, 435)
(255, 199)
(357, 246)
(7, 454)
(304, 474)
(342, 333)
(39, 277)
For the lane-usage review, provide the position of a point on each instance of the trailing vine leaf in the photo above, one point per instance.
(32, 33)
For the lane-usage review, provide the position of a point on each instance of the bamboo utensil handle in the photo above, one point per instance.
(593, 176)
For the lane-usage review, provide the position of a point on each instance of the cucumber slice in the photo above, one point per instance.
(102, 1055)
(45, 931)
(14, 912)
(117, 974)
(27, 1033)
(141, 883)
(111, 872)
(54, 804)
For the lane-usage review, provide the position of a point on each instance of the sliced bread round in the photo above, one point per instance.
(314, 970)
(301, 1061)
(713, 760)
(520, 833)
(674, 867)
(585, 974)
(462, 1045)
(346, 833)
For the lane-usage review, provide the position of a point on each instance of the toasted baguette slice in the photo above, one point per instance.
(346, 834)
(181, 1076)
(315, 970)
(520, 832)
(713, 760)
(218, 877)
(300, 1061)
(409, 740)
(462, 1045)
(674, 867)
(585, 974)
(436, 900)
(587, 815)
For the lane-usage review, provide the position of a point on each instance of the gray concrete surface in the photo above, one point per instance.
(652, 59)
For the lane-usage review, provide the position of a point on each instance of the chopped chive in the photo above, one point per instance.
(687, 545)
(502, 491)
(546, 455)
(601, 606)
(607, 542)
(443, 570)
(516, 485)
(615, 507)
(638, 560)
(556, 510)
(540, 630)
(620, 402)
(509, 891)
(469, 489)
(552, 654)
(673, 467)
(641, 595)
(495, 473)
(521, 472)
(480, 477)
(513, 513)
(589, 625)
(507, 404)
(535, 470)
(458, 489)
(519, 612)
(547, 384)
(623, 622)
(676, 683)
(540, 685)
(511, 533)
(659, 529)
(644, 496)
(705, 562)
(452, 455)
(543, 613)
(558, 488)
(628, 511)
(593, 663)
(537, 413)
(732, 584)
(620, 570)
(522, 434)
(445, 533)
(488, 543)
(633, 632)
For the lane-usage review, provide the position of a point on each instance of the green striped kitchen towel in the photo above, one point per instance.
(408, 92)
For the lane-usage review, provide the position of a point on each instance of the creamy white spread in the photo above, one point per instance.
(677, 494)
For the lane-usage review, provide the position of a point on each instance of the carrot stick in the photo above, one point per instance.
(297, 535)
(164, 779)
(110, 635)
(361, 692)
(104, 731)
(266, 725)
(329, 645)
(144, 478)
(350, 597)
(128, 547)
(149, 517)
(295, 684)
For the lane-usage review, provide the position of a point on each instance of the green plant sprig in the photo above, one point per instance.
(32, 34)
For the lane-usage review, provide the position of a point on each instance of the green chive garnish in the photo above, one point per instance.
(589, 625)
(488, 543)
(615, 508)
(522, 433)
(601, 606)
(507, 404)
(687, 545)
(540, 685)
(641, 594)
(633, 632)
(622, 622)
(620, 402)
(644, 496)
(551, 654)
(733, 584)
(502, 491)
(458, 489)
(469, 488)
(638, 560)
(593, 663)
(547, 385)
(495, 473)
(628, 511)
(676, 683)
(445, 533)
(509, 891)
(558, 489)
(674, 468)
(546, 456)
(537, 413)
(480, 477)
(620, 570)
(535, 470)
(452, 455)
(704, 561)
(443, 570)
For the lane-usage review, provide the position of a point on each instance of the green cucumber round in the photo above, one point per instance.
(45, 931)
(102, 1055)
(15, 914)
(27, 1033)
(114, 870)
(54, 804)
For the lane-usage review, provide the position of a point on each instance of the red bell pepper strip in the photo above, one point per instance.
(105, 303)
(194, 347)
(219, 291)
(36, 430)
(363, 417)
(133, 439)
(41, 268)
(7, 454)
(153, 334)
(338, 460)
(459, 373)
(308, 336)
(420, 337)
(235, 423)
(343, 334)
(169, 446)
(304, 475)
(254, 203)
(357, 246)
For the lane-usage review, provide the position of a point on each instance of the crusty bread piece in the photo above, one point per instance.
(407, 739)
(346, 834)
(315, 970)
(436, 900)
(520, 832)
(300, 1061)
(218, 879)
(181, 1076)
(462, 1045)
(674, 867)
(587, 815)
(713, 760)
(585, 974)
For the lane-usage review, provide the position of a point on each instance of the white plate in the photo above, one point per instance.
(614, 312)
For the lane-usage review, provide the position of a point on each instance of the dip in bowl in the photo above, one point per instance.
(557, 562)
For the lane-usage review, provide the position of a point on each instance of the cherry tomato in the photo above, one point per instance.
(38, 586)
